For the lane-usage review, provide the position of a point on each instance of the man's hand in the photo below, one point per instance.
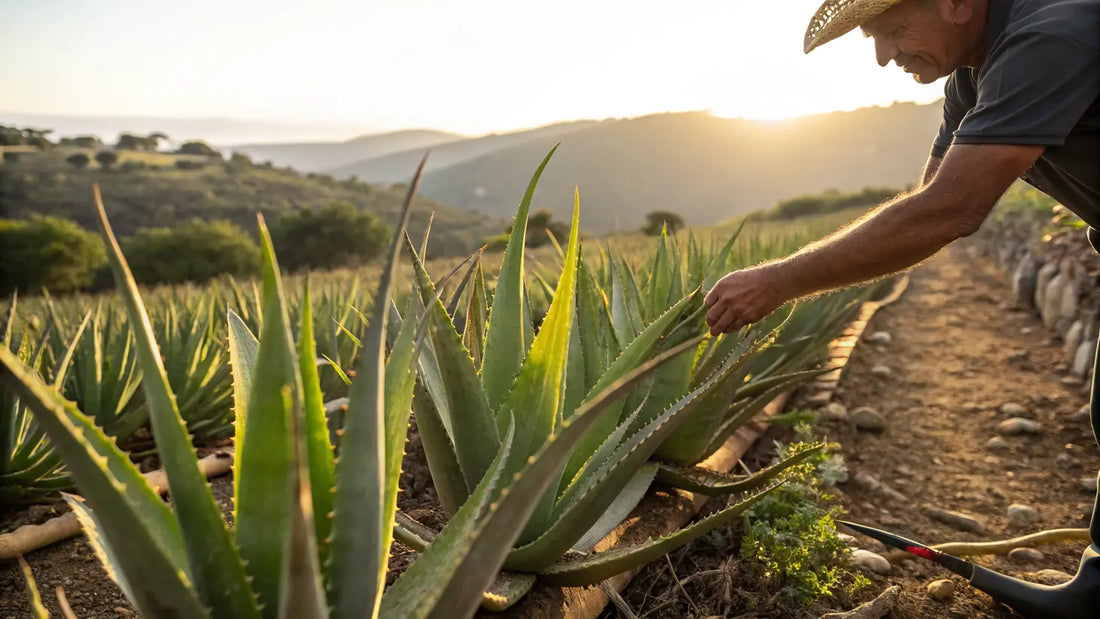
(743, 297)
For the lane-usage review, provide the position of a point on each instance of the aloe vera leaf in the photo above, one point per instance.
(640, 349)
(660, 279)
(215, 564)
(619, 509)
(597, 487)
(537, 396)
(473, 428)
(400, 383)
(417, 590)
(620, 313)
(61, 368)
(754, 388)
(594, 326)
(507, 589)
(716, 268)
(175, 595)
(602, 565)
(357, 563)
(439, 451)
(742, 413)
(411, 533)
(477, 313)
(710, 483)
(499, 529)
(37, 609)
(265, 458)
(318, 448)
(128, 506)
(503, 355)
(242, 359)
(301, 592)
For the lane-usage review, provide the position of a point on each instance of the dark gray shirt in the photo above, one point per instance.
(1038, 85)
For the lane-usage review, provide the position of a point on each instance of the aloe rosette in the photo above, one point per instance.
(485, 368)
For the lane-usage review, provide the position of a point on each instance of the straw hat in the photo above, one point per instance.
(836, 18)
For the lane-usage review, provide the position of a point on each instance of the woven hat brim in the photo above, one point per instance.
(835, 18)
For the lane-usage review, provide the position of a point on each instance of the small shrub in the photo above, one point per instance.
(47, 252)
(197, 251)
(190, 164)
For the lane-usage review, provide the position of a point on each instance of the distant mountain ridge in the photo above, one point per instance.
(319, 156)
(706, 168)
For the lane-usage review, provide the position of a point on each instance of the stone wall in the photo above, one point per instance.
(1055, 274)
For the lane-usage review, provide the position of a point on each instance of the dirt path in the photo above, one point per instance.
(959, 352)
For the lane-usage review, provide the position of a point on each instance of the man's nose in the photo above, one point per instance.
(885, 51)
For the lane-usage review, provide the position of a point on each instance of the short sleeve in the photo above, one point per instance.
(959, 97)
(1034, 91)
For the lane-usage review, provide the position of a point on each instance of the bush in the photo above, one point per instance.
(657, 220)
(47, 252)
(831, 201)
(198, 147)
(338, 235)
(78, 161)
(106, 158)
(190, 164)
(197, 251)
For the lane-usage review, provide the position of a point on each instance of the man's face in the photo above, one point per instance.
(920, 36)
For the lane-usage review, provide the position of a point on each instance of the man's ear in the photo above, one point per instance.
(958, 12)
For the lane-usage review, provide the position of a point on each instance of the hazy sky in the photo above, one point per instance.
(470, 66)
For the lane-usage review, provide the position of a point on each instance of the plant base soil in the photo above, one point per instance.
(959, 350)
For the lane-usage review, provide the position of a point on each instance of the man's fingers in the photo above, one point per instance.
(715, 312)
(712, 296)
(726, 322)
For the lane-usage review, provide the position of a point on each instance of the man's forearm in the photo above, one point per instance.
(892, 238)
(930, 169)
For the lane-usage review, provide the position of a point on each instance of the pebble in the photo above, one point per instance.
(972, 407)
(1088, 484)
(1012, 409)
(870, 483)
(1017, 425)
(996, 444)
(1082, 414)
(1064, 460)
(847, 539)
(835, 411)
(879, 337)
(870, 561)
(1025, 331)
(1048, 577)
(882, 371)
(1022, 516)
(941, 590)
(958, 520)
(1025, 555)
(867, 418)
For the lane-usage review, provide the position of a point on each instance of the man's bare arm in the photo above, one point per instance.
(891, 238)
(930, 169)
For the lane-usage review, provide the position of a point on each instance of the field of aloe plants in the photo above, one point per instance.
(550, 393)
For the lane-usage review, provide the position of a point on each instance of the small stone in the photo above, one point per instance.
(1012, 409)
(1020, 354)
(848, 540)
(1083, 360)
(972, 407)
(870, 561)
(1064, 460)
(835, 411)
(1071, 381)
(1025, 555)
(1048, 577)
(1025, 331)
(996, 444)
(1088, 484)
(1017, 425)
(941, 590)
(882, 371)
(867, 418)
(879, 337)
(1022, 516)
(958, 520)
(1083, 414)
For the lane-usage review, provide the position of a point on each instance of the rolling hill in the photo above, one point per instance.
(398, 166)
(319, 156)
(706, 168)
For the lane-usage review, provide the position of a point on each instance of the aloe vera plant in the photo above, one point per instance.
(486, 368)
(312, 533)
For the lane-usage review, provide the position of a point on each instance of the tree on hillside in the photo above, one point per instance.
(106, 158)
(149, 143)
(82, 141)
(197, 251)
(78, 160)
(338, 235)
(198, 147)
(47, 252)
(540, 224)
(657, 220)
